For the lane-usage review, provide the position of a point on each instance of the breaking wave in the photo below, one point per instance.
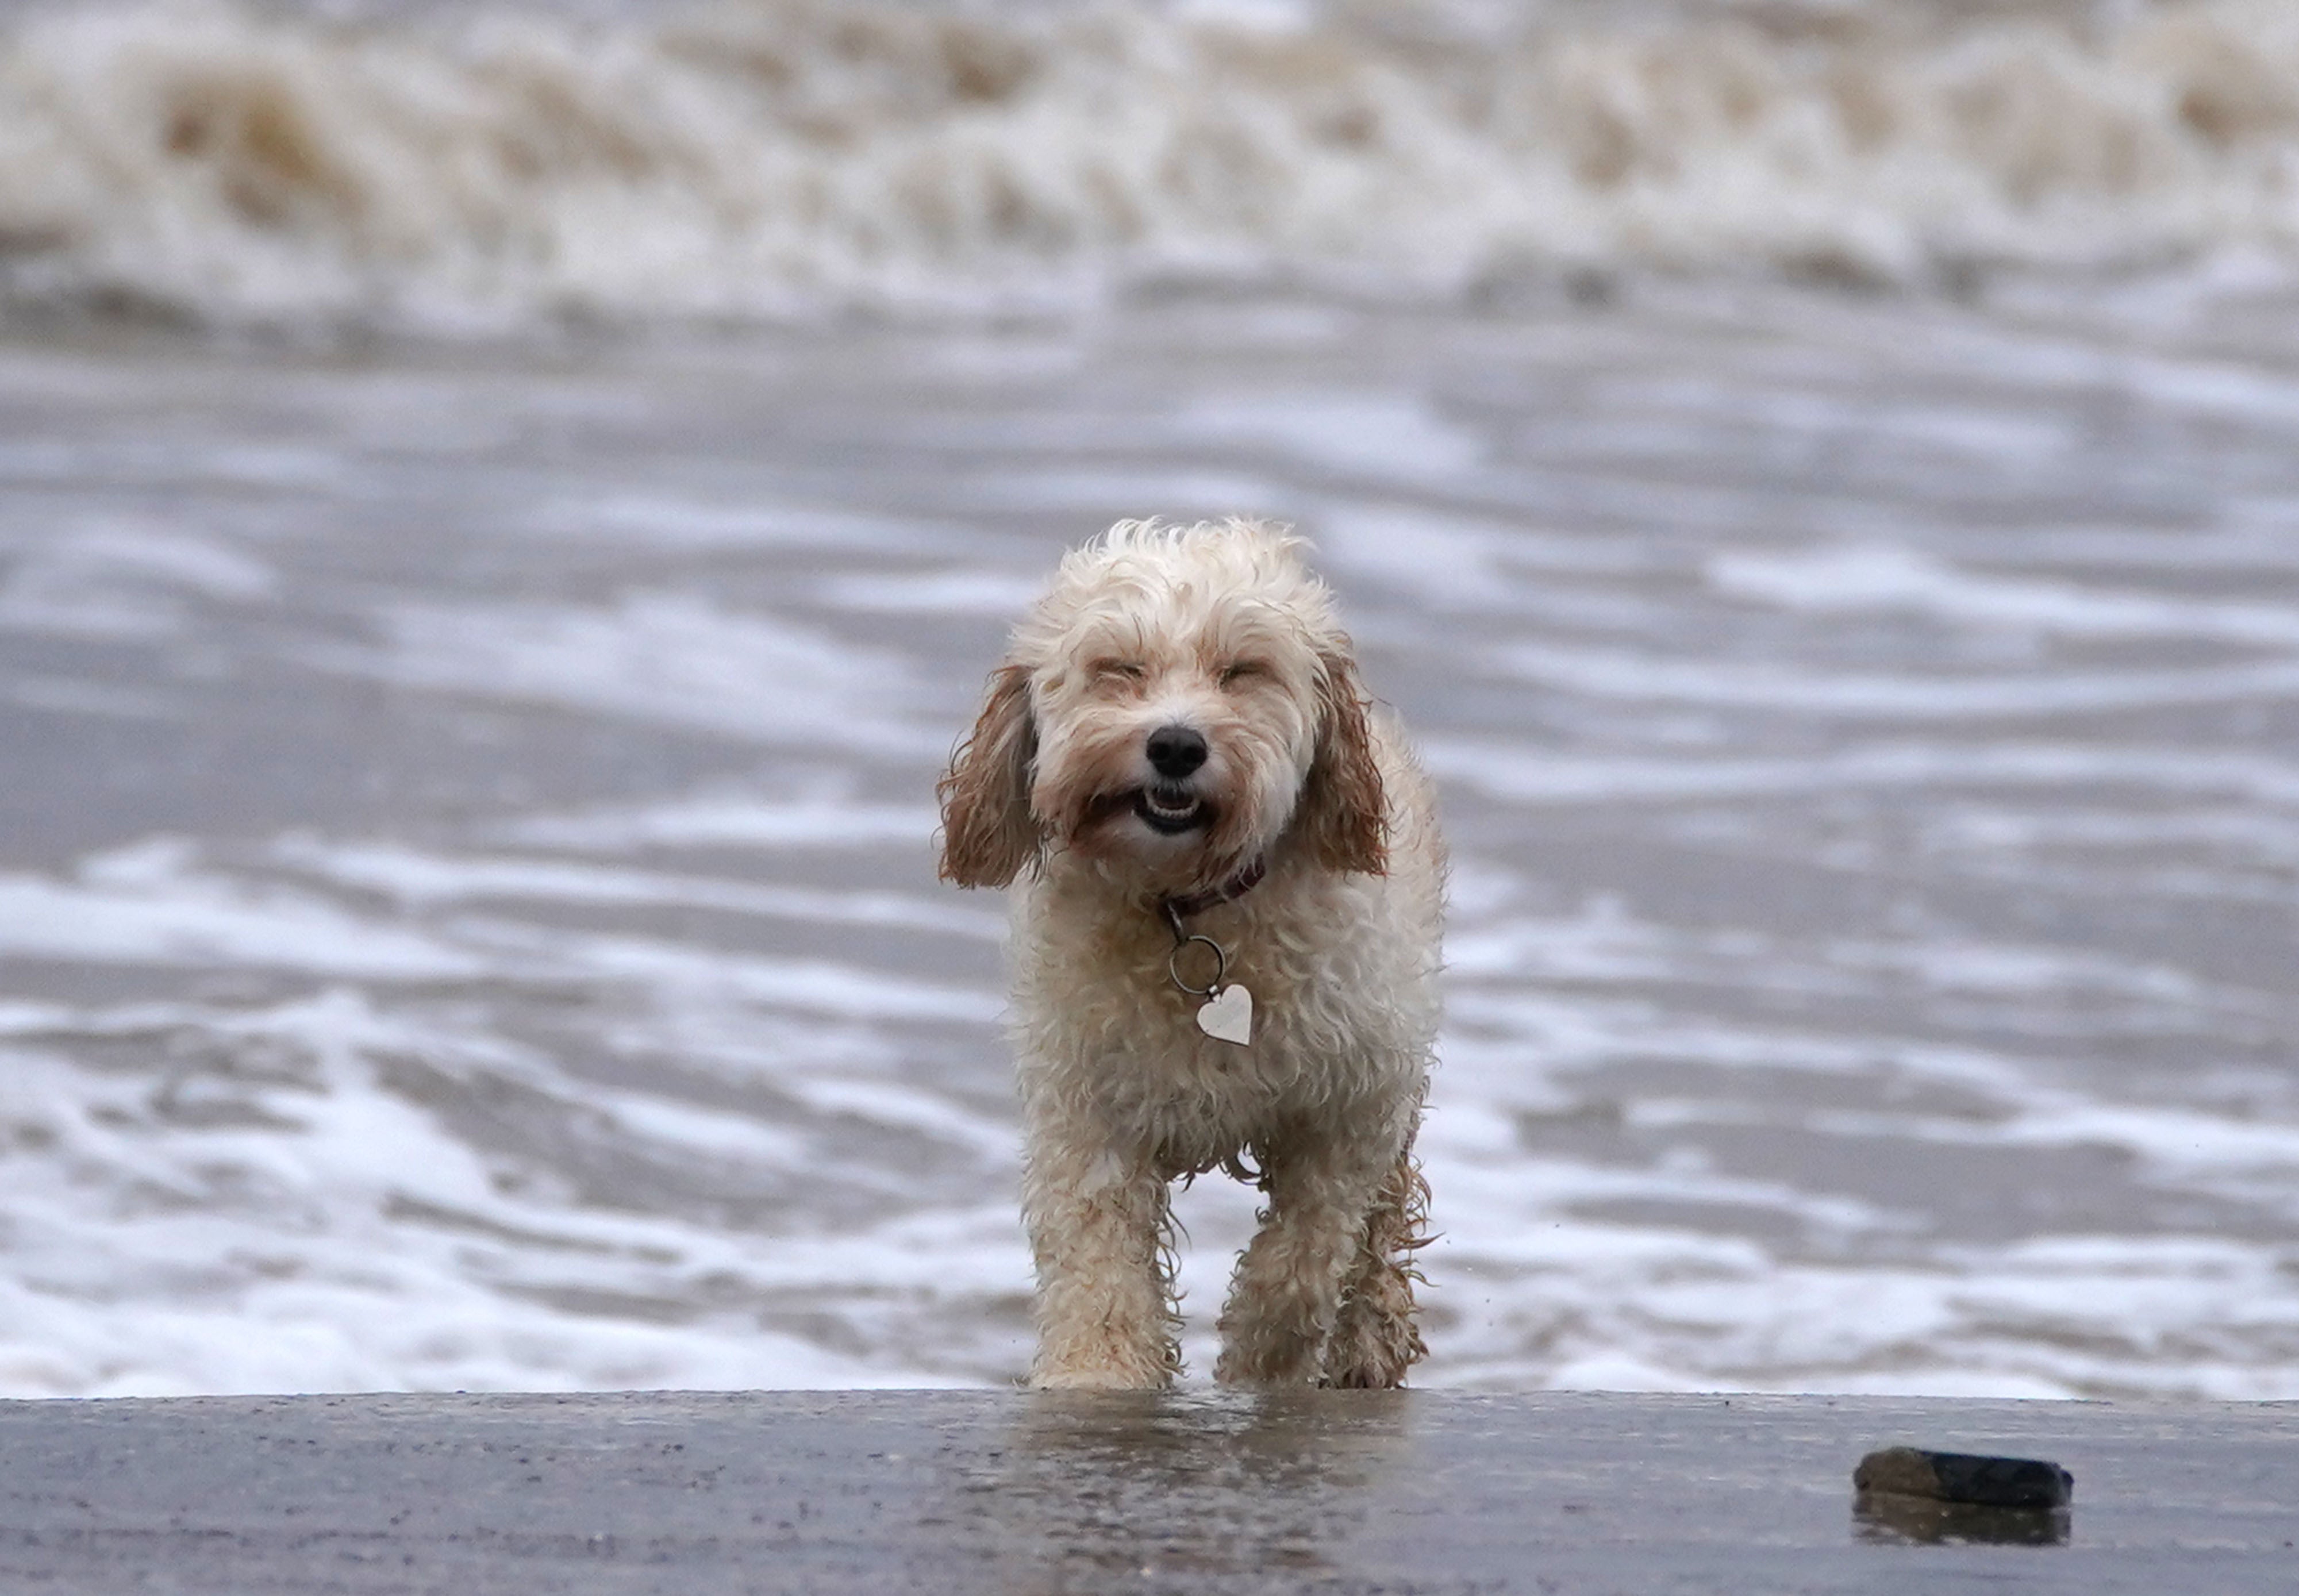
(495, 168)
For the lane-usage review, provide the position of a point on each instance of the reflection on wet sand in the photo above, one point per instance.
(1094, 1487)
(1889, 1517)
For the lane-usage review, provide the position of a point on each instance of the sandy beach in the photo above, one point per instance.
(1204, 1493)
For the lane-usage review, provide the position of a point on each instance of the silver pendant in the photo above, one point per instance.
(1228, 1016)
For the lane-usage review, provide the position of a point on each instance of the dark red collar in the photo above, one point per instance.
(1177, 909)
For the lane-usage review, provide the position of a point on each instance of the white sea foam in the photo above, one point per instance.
(263, 1206)
(334, 1294)
(659, 520)
(1615, 1306)
(153, 904)
(735, 820)
(1391, 436)
(805, 986)
(122, 579)
(1617, 673)
(949, 592)
(670, 658)
(429, 880)
(70, 696)
(1887, 578)
(1508, 772)
(294, 1219)
(496, 168)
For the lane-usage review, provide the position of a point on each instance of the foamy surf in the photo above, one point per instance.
(500, 169)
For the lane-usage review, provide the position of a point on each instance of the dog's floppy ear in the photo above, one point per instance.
(987, 832)
(1344, 813)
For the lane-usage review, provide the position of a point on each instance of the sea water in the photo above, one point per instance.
(506, 511)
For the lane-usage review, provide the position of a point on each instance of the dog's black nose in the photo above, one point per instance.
(1175, 750)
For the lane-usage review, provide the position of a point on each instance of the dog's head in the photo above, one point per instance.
(1179, 701)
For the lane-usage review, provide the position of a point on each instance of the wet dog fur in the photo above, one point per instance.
(1180, 707)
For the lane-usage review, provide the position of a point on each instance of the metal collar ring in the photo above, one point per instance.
(1221, 966)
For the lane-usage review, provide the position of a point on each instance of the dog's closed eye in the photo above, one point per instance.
(1243, 670)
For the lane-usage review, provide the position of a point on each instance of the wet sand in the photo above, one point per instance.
(1009, 1492)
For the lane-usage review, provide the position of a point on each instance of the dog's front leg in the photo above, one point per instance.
(1287, 1293)
(1375, 1340)
(1098, 1222)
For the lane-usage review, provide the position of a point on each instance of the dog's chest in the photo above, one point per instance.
(1157, 1050)
(1107, 1019)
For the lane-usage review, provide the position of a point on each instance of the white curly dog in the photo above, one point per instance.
(1225, 948)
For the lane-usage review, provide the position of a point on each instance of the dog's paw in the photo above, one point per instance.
(1101, 1377)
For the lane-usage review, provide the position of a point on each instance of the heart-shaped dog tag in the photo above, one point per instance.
(1228, 1016)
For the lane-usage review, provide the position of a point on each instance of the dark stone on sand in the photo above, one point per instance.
(1970, 1478)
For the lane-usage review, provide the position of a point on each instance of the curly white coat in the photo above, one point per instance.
(1214, 631)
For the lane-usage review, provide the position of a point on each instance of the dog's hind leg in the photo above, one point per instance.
(1099, 1227)
(1374, 1339)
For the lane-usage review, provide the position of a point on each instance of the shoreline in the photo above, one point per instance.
(1197, 1490)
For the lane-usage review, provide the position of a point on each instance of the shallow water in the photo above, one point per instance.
(470, 916)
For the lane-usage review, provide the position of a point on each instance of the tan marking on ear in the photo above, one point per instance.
(1344, 811)
(988, 836)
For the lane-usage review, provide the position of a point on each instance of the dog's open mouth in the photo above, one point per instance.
(1170, 810)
